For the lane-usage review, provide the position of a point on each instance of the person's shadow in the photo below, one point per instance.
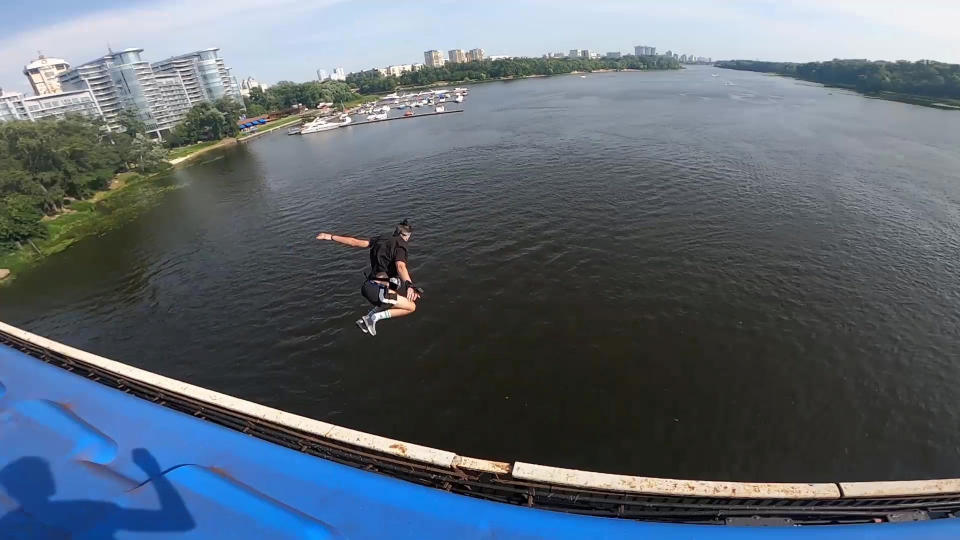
(29, 481)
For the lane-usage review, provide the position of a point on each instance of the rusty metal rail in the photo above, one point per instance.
(503, 487)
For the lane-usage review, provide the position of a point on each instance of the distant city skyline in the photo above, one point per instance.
(291, 47)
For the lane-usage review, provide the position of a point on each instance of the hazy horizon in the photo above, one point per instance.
(290, 40)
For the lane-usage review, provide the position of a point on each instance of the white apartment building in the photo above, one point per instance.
(433, 58)
(16, 106)
(43, 74)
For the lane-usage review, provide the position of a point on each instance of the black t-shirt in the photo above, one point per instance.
(385, 253)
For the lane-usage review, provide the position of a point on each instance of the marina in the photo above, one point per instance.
(379, 111)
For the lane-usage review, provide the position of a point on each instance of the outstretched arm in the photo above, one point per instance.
(346, 240)
(173, 514)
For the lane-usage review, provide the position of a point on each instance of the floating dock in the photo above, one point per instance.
(403, 117)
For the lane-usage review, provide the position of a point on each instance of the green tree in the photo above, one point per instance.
(147, 154)
(254, 109)
(231, 110)
(131, 123)
(20, 219)
(203, 122)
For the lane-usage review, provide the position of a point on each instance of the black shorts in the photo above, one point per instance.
(378, 294)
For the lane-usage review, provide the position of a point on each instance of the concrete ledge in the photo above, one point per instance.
(900, 489)
(665, 486)
(483, 465)
(521, 471)
(315, 427)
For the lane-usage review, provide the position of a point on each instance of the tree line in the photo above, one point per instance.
(207, 122)
(44, 165)
(285, 95)
(922, 78)
(372, 81)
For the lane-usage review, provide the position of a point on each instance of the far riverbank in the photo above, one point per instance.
(512, 78)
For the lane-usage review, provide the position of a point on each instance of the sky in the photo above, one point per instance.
(273, 40)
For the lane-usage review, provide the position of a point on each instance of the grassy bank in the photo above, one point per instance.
(130, 194)
(185, 151)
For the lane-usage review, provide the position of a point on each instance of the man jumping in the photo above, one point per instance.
(388, 286)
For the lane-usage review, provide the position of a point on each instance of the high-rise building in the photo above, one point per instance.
(204, 74)
(416, 67)
(614, 54)
(322, 75)
(396, 71)
(585, 53)
(338, 74)
(643, 50)
(575, 53)
(95, 76)
(43, 74)
(140, 89)
(172, 103)
(457, 56)
(476, 55)
(16, 106)
(160, 94)
(249, 84)
(433, 58)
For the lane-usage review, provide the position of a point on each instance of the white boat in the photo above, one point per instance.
(321, 124)
(714, 74)
(439, 108)
(378, 116)
(459, 90)
(459, 98)
(583, 76)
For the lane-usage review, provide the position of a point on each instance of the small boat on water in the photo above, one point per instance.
(459, 90)
(459, 98)
(295, 130)
(439, 108)
(378, 116)
(408, 113)
(583, 76)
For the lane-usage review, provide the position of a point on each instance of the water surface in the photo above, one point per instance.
(669, 274)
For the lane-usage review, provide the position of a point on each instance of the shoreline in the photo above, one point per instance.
(512, 78)
(944, 104)
(130, 193)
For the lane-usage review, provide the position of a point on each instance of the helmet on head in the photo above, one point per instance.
(403, 228)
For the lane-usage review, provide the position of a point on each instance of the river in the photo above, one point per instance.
(673, 274)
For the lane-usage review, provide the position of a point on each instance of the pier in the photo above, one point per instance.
(403, 117)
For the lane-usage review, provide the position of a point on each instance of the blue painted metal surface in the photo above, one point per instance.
(80, 459)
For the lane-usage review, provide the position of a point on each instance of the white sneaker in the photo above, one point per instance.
(367, 324)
